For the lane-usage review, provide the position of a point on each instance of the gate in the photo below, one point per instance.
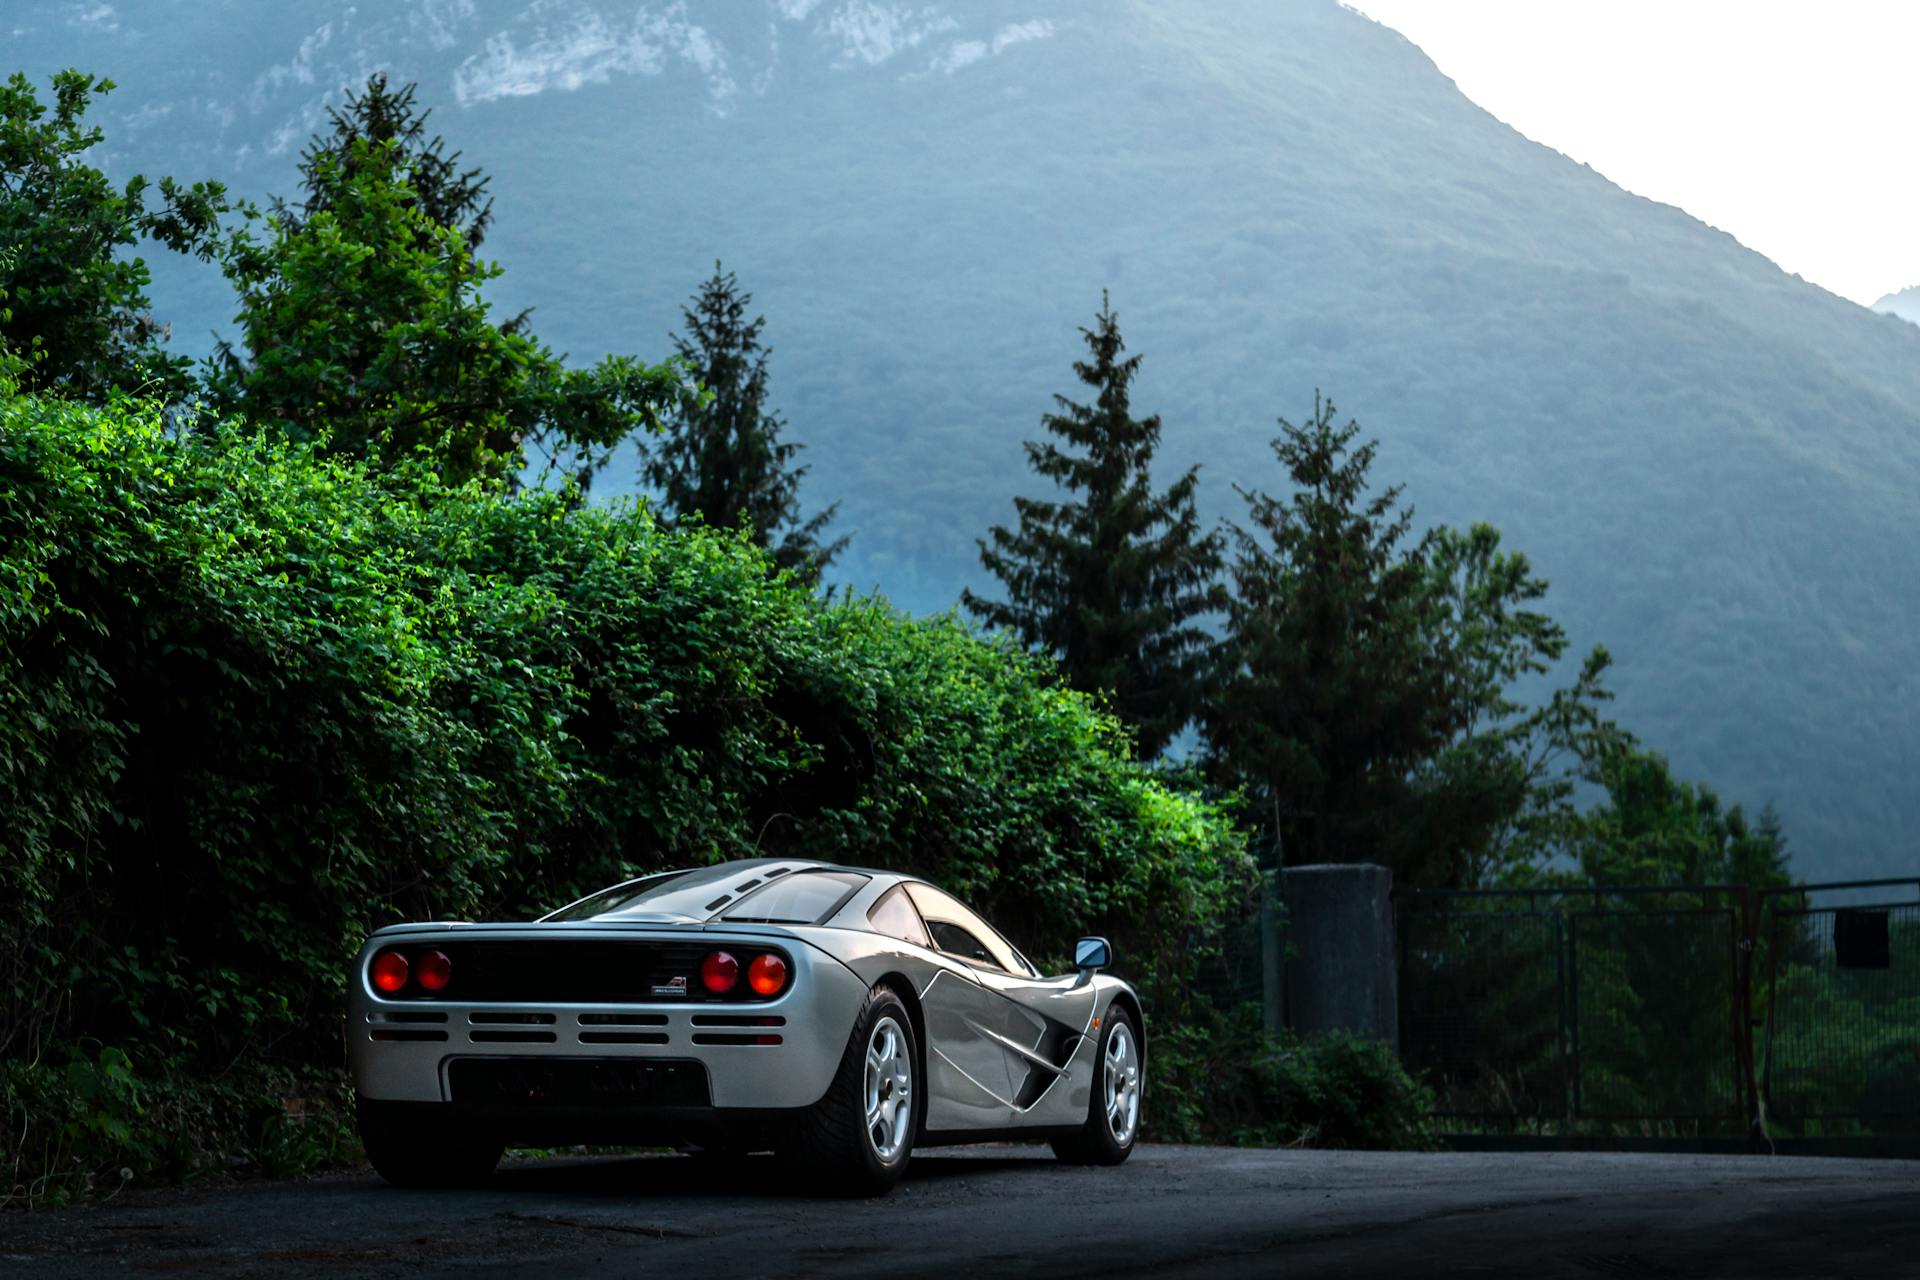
(1698, 1010)
(1842, 1043)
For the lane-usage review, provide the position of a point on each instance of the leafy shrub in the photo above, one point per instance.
(255, 703)
(1224, 1079)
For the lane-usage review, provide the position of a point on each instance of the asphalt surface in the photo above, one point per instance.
(1010, 1211)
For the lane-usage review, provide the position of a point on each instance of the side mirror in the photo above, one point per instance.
(1092, 953)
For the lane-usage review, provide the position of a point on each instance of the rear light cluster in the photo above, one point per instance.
(393, 972)
(766, 975)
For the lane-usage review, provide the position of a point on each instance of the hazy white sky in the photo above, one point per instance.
(1788, 123)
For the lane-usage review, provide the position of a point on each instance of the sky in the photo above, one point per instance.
(1786, 123)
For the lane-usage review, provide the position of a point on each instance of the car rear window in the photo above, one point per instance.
(805, 897)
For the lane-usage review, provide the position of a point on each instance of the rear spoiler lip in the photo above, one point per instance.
(656, 930)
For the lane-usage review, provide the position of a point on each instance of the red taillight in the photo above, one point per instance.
(720, 972)
(389, 971)
(767, 974)
(434, 971)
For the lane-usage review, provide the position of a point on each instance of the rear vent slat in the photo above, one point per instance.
(623, 1019)
(623, 1037)
(508, 1019)
(722, 1037)
(511, 1037)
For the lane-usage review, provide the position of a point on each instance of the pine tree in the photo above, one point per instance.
(722, 459)
(1333, 691)
(1111, 579)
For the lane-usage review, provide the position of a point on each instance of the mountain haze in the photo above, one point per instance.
(1905, 304)
(1715, 462)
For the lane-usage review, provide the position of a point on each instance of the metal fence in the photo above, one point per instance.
(1706, 1009)
(1842, 1021)
(1484, 1012)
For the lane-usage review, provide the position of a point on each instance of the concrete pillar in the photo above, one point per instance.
(1340, 971)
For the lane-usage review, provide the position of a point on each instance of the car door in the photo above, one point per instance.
(1047, 1019)
(968, 1087)
(1006, 1023)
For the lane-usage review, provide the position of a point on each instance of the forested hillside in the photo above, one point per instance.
(1714, 462)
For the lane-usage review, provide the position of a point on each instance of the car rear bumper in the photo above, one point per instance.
(777, 1055)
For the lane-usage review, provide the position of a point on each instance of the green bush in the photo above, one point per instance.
(1223, 1079)
(254, 703)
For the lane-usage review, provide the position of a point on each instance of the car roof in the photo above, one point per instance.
(682, 898)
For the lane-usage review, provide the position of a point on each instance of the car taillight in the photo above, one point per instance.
(767, 974)
(720, 972)
(433, 971)
(389, 971)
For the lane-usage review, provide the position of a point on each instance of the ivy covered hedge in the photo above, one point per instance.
(254, 703)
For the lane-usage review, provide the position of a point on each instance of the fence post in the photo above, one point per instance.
(1341, 974)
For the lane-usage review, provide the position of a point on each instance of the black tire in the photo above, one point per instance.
(1096, 1142)
(423, 1151)
(831, 1150)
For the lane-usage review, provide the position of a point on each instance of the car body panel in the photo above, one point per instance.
(1002, 1053)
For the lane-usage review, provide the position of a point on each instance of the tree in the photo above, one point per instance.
(1333, 692)
(447, 194)
(1111, 580)
(1500, 794)
(1651, 828)
(365, 330)
(721, 460)
(80, 320)
(1369, 704)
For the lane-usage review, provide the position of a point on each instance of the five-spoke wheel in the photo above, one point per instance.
(1122, 1081)
(1113, 1112)
(889, 1093)
(857, 1139)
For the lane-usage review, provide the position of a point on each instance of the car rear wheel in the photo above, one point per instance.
(1113, 1113)
(856, 1141)
(424, 1151)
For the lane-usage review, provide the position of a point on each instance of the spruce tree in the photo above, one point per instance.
(722, 459)
(391, 120)
(1112, 577)
(1333, 690)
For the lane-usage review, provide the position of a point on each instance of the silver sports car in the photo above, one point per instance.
(840, 1016)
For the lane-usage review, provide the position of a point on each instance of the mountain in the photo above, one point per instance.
(1905, 304)
(1715, 462)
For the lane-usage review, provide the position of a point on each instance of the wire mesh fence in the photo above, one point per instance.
(1655, 1015)
(1843, 1014)
(1483, 1014)
(1700, 1009)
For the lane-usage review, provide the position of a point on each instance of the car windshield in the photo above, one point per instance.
(693, 894)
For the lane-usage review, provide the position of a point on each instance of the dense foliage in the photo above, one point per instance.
(1106, 575)
(1224, 1080)
(365, 329)
(720, 458)
(79, 314)
(1712, 460)
(254, 702)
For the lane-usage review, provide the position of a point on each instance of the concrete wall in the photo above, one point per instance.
(1341, 974)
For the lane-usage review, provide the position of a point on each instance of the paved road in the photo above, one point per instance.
(1007, 1211)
